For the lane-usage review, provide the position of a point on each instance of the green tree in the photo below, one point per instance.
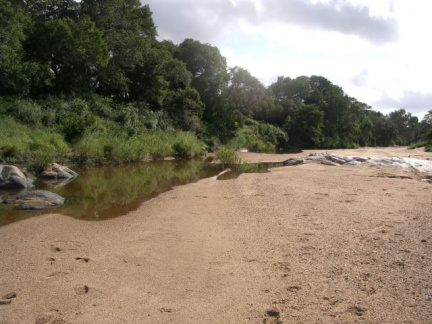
(332, 100)
(43, 10)
(186, 109)
(305, 127)
(15, 72)
(384, 131)
(244, 92)
(406, 124)
(428, 118)
(425, 125)
(209, 74)
(288, 94)
(129, 32)
(157, 75)
(73, 52)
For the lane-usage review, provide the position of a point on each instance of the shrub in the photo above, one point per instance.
(26, 111)
(250, 137)
(186, 145)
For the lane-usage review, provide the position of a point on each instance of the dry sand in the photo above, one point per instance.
(303, 244)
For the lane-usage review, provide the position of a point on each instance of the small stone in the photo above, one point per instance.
(293, 288)
(82, 259)
(400, 262)
(81, 290)
(423, 241)
(273, 312)
(42, 319)
(359, 311)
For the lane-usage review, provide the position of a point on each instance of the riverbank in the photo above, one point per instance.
(304, 244)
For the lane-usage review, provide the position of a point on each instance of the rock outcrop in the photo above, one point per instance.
(11, 177)
(422, 166)
(36, 200)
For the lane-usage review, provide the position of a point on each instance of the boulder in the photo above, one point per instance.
(36, 200)
(11, 177)
(56, 171)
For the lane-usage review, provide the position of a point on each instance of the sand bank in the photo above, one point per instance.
(304, 244)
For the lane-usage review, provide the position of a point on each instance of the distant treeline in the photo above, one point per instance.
(89, 80)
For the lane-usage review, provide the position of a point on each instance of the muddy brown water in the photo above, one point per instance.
(100, 193)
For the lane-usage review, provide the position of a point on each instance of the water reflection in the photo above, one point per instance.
(100, 193)
(237, 170)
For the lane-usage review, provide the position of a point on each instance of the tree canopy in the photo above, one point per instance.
(91, 66)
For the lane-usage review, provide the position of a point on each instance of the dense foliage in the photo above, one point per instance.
(89, 80)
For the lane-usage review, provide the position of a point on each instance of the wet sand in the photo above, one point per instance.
(303, 244)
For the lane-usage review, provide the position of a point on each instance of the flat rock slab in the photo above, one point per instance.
(422, 166)
(36, 200)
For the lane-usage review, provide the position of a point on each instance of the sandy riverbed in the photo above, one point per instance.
(303, 244)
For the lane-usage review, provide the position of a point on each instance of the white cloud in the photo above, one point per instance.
(377, 51)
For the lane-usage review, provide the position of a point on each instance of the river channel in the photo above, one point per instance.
(100, 193)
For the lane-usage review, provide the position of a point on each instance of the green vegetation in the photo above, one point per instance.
(228, 157)
(19, 142)
(88, 80)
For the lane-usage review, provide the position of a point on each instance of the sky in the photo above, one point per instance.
(378, 51)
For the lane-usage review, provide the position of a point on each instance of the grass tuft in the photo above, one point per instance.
(228, 157)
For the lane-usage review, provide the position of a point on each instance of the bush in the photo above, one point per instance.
(26, 111)
(186, 145)
(91, 147)
(252, 139)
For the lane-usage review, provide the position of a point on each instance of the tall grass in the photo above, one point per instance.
(97, 130)
(36, 147)
(228, 157)
(101, 147)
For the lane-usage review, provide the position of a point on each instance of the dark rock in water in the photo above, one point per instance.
(36, 200)
(56, 171)
(54, 182)
(11, 177)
